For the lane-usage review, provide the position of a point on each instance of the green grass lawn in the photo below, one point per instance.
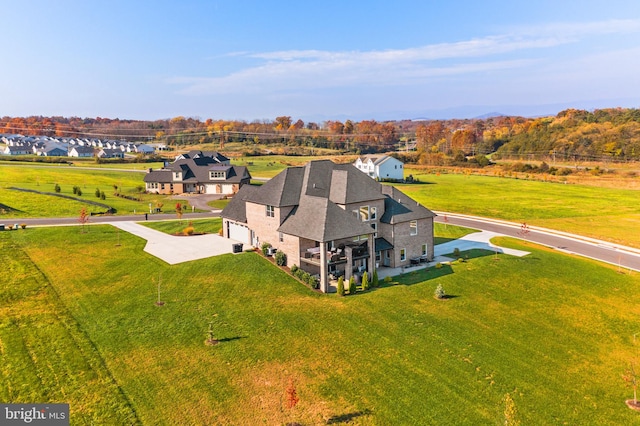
(270, 165)
(553, 331)
(219, 204)
(44, 178)
(605, 213)
(200, 226)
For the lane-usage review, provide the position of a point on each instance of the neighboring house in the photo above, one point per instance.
(144, 149)
(110, 153)
(213, 155)
(52, 150)
(331, 220)
(81, 151)
(202, 174)
(17, 150)
(381, 167)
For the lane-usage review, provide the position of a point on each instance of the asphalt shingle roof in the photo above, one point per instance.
(399, 208)
(319, 219)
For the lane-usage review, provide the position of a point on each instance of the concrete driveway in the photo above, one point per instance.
(174, 249)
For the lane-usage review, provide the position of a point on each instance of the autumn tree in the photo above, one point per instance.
(83, 219)
(291, 394)
(297, 125)
(348, 127)
(179, 211)
(283, 122)
(335, 127)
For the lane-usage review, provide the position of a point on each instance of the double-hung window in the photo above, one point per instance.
(271, 211)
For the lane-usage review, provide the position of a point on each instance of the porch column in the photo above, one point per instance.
(371, 243)
(324, 269)
(348, 270)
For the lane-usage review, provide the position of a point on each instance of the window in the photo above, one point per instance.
(413, 227)
(217, 175)
(424, 249)
(364, 213)
(177, 175)
(403, 255)
(375, 228)
(281, 237)
(374, 213)
(271, 211)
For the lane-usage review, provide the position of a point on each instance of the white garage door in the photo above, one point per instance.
(239, 233)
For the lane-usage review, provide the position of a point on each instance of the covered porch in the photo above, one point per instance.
(334, 259)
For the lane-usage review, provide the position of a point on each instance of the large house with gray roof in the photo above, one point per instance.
(331, 220)
(199, 172)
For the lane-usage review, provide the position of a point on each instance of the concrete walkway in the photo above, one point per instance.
(476, 240)
(175, 249)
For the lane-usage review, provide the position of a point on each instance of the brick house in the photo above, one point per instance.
(331, 220)
(200, 173)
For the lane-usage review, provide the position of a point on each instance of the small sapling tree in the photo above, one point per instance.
(341, 286)
(352, 285)
(211, 340)
(179, 211)
(375, 282)
(83, 218)
(439, 293)
(632, 379)
(524, 231)
(365, 281)
(291, 394)
(159, 302)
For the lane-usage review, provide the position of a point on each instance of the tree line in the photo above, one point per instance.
(602, 134)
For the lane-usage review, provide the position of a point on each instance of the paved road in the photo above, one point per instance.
(52, 221)
(625, 257)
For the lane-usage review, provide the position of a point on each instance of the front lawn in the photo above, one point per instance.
(200, 226)
(554, 332)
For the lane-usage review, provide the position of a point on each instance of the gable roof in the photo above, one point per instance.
(237, 207)
(197, 170)
(213, 156)
(377, 159)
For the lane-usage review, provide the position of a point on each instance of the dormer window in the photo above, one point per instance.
(217, 174)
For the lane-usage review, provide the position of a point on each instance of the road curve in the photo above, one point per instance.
(625, 257)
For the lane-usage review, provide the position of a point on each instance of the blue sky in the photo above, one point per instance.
(255, 60)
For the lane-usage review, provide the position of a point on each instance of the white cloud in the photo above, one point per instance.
(313, 69)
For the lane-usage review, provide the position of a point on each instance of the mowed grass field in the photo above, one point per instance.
(43, 178)
(79, 325)
(605, 213)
